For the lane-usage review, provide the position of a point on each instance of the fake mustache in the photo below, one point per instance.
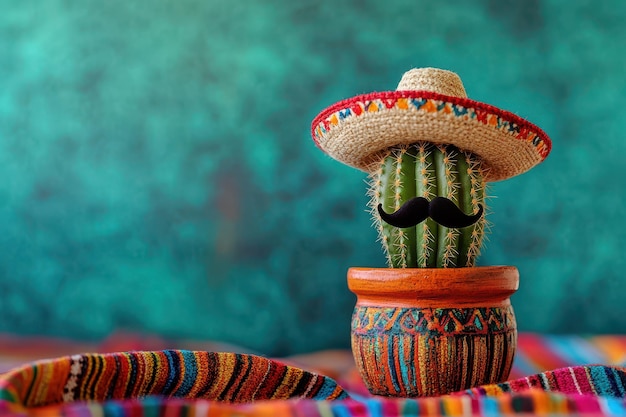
(440, 209)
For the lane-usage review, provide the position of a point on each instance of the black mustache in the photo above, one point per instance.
(440, 209)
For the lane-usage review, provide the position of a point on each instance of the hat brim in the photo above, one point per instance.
(357, 130)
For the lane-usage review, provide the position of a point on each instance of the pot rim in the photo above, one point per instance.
(483, 286)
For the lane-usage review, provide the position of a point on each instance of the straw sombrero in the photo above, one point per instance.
(429, 105)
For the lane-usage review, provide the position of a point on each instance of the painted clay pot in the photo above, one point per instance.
(425, 332)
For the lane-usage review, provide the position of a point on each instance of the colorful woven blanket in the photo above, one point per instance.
(197, 383)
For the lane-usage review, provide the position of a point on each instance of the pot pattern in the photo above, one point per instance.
(412, 352)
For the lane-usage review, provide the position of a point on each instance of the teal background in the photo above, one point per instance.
(158, 174)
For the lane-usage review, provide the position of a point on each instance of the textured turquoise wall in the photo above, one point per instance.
(158, 175)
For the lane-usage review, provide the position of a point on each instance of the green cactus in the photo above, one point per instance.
(428, 170)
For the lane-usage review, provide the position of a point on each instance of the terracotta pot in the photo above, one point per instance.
(425, 332)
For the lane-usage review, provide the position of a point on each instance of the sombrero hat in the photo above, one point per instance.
(429, 105)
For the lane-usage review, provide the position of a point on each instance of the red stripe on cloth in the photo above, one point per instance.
(566, 381)
(582, 378)
(518, 385)
(537, 351)
(585, 405)
(535, 381)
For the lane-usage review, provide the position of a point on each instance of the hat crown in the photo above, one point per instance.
(434, 80)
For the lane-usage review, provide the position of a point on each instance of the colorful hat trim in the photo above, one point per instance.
(516, 144)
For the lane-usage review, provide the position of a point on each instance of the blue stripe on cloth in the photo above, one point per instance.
(150, 406)
(601, 382)
(410, 409)
(562, 346)
(613, 406)
(618, 381)
(374, 407)
(586, 350)
(327, 389)
(524, 366)
(190, 373)
(172, 372)
(490, 407)
(112, 409)
(340, 410)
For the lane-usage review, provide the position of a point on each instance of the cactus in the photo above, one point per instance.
(428, 170)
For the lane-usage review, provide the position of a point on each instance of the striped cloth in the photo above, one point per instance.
(530, 403)
(227, 377)
(186, 383)
(538, 353)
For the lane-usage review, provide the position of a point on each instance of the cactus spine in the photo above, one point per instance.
(428, 170)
